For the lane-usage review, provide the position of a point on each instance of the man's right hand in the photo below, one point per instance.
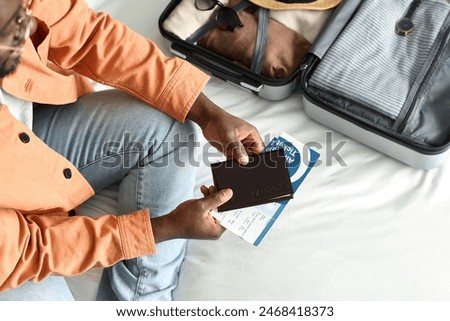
(192, 219)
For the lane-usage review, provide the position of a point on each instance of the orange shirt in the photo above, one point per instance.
(38, 187)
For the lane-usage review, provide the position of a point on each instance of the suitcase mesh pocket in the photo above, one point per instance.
(370, 64)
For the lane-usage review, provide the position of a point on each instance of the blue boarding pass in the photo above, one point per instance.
(253, 223)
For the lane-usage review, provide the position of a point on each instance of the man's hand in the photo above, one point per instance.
(192, 219)
(234, 137)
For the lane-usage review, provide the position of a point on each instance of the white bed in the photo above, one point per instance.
(372, 229)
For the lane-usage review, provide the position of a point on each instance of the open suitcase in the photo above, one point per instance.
(184, 30)
(379, 72)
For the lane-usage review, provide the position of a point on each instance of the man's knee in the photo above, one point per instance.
(180, 147)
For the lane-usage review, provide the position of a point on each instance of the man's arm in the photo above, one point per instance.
(34, 246)
(101, 48)
(231, 135)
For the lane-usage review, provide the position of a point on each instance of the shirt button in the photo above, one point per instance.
(72, 213)
(24, 138)
(67, 173)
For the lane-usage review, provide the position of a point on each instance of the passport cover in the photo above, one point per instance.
(263, 180)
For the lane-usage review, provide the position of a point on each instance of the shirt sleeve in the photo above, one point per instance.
(99, 47)
(34, 246)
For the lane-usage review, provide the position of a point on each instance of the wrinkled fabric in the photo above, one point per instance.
(40, 189)
(284, 51)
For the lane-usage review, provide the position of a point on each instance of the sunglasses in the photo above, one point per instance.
(21, 20)
(227, 19)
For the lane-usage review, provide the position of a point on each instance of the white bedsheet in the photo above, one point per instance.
(361, 227)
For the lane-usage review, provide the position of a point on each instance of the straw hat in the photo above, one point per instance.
(297, 4)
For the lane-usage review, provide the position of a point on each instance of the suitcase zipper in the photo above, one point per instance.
(436, 52)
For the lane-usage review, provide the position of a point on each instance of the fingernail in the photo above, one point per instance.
(228, 192)
(243, 160)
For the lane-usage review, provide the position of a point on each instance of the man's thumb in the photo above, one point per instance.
(219, 198)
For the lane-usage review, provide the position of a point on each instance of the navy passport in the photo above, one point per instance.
(263, 180)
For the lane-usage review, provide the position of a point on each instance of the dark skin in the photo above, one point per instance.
(231, 135)
(11, 35)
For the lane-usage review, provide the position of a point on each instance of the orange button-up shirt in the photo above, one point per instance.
(38, 187)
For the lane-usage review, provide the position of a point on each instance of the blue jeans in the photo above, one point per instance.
(112, 137)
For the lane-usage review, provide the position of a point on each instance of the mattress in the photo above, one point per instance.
(362, 226)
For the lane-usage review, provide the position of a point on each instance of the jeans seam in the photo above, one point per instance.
(96, 160)
(140, 280)
(164, 139)
(138, 203)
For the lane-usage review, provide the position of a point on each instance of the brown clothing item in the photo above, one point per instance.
(284, 51)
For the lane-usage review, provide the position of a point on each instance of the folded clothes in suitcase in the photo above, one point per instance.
(245, 44)
(378, 71)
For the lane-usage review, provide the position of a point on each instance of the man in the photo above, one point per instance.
(61, 142)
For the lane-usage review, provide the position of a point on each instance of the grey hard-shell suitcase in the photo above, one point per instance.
(379, 72)
(382, 85)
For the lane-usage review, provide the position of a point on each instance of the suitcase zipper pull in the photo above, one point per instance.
(405, 25)
(307, 61)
